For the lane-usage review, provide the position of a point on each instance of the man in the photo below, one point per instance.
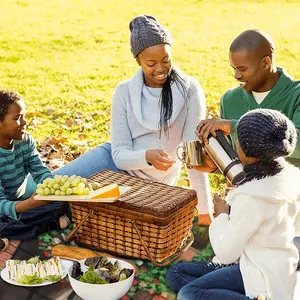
(262, 85)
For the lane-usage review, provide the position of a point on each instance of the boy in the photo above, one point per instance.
(21, 217)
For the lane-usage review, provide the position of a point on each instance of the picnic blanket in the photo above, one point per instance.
(149, 277)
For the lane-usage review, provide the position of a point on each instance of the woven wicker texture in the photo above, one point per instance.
(162, 214)
(147, 196)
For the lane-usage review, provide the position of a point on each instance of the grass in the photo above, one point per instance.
(68, 55)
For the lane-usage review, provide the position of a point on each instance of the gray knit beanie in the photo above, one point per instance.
(146, 32)
(266, 134)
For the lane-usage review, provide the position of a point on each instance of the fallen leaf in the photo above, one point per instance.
(70, 123)
(50, 111)
(55, 163)
(79, 115)
(83, 136)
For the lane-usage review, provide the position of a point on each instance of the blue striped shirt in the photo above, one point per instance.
(15, 165)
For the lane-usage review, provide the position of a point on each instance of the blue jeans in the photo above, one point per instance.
(206, 281)
(91, 162)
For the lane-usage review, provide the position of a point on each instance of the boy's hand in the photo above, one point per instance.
(220, 206)
(29, 203)
(159, 159)
(205, 127)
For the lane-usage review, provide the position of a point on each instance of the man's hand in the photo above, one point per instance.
(29, 203)
(159, 159)
(205, 127)
(220, 206)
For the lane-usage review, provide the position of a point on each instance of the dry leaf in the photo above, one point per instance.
(55, 163)
(59, 140)
(50, 111)
(70, 123)
(83, 136)
(79, 115)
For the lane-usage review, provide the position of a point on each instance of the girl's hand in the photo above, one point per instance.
(159, 159)
(220, 206)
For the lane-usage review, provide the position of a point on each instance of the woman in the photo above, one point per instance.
(152, 114)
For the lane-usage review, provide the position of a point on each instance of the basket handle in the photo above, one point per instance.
(168, 260)
(69, 236)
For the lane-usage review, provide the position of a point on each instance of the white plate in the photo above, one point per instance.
(66, 264)
(86, 198)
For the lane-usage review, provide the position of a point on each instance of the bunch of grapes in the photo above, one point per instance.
(64, 186)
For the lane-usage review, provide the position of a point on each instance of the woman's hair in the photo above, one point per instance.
(166, 100)
(7, 98)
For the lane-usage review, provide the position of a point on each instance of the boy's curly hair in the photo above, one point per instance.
(7, 98)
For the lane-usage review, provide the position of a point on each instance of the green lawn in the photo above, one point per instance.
(68, 55)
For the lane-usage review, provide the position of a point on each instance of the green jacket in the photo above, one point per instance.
(284, 96)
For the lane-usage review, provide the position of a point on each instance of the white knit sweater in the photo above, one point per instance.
(259, 233)
(135, 129)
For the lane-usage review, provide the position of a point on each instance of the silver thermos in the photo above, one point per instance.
(226, 159)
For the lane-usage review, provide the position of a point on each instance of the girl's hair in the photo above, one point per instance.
(166, 100)
(7, 98)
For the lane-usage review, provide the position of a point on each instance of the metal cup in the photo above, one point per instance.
(191, 153)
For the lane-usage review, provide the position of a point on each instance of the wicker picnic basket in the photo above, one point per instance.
(150, 221)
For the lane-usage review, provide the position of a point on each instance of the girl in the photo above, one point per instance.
(152, 114)
(256, 240)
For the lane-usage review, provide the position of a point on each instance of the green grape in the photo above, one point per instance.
(56, 186)
(57, 178)
(40, 191)
(63, 188)
(67, 184)
(62, 193)
(74, 183)
(47, 180)
(40, 186)
(81, 185)
(57, 193)
(64, 178)
(50, 184)
(79, 191)
(95, 186)
(75, 190)
(84, 180)
(86, 191)
(69, 191)
(72, 177)
(52, 191)
(46, 191)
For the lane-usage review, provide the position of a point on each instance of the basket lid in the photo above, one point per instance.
(146, 196)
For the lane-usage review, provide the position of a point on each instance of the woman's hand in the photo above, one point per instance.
(159, 159)
(205, 127)
(220, 206)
